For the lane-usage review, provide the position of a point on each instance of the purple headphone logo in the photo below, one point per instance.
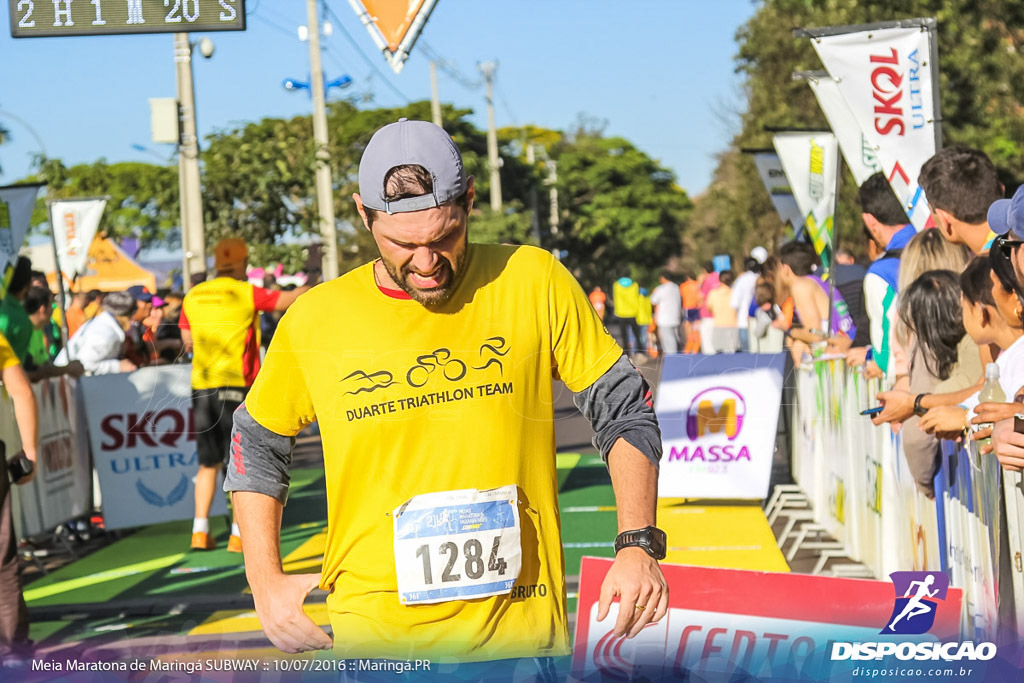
(703, 417)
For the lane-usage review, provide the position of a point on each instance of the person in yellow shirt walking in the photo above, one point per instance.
(219, 327)
(434, 399)
(14, 642)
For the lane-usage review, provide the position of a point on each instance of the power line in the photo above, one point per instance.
(359, 49)
(277, 27)
(505, 104)
(448, 67)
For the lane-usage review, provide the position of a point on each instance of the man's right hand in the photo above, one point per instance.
(279, 608)
(128, 366)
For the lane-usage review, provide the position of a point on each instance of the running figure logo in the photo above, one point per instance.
(917, 599)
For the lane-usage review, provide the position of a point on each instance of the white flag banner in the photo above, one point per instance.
(809, 159)
(774, 178)
(74, 223)
(886, 77)
(16, 205)
(856, 148)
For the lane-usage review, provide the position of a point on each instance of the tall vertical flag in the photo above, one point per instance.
(769, 167)
(887, 75)
(394, 25)
(16, 205)
(74, 223)
(858, 152)
(810, 161)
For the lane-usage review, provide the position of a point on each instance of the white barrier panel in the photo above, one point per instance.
(143, 444)
(719, 416)
(855, 475)
(62, 486)
(1013, 490)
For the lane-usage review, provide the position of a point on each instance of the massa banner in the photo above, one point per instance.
(719, 417)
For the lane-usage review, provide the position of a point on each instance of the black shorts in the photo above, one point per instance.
(212, 410)
(692, 315)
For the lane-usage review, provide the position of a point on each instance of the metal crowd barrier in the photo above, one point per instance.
(855, 487)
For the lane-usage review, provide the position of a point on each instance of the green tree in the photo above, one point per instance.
(981, 67)
(143, 197)
(621, 213)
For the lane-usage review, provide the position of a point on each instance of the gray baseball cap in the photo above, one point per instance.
(408, 142)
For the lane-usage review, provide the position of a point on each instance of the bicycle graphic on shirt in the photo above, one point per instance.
(491, 352)
(453, 369)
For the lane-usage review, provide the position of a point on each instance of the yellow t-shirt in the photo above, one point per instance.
(644, 311)
(626, 299)
(413, 401)
(7, 356)
(221, 315)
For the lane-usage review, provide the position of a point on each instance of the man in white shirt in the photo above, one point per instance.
(743, 296)
(668, 312)
(99, 343)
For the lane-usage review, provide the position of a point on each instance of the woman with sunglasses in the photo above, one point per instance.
(1006, 218)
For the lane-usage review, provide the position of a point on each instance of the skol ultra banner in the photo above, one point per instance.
(856, 148)
(74, 223)
(774, 178)
(144, 445)
(16, 205)
(719, 417)
(886, 76)
(809, 159)
(394, 25)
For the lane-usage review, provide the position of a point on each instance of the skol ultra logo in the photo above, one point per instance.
(714, 410)
(917, 597)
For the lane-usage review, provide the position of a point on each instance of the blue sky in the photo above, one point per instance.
(660, 72)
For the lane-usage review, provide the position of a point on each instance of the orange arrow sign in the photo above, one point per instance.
(394, 25)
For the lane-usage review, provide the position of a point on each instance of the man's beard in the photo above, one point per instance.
(448, 275)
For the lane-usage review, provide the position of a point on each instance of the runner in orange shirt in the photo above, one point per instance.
(597, 300)
(690, 291)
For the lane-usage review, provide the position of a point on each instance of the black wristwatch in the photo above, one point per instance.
(651, 539)
(919, 409)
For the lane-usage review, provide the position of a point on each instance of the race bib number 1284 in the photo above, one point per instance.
(457, 545)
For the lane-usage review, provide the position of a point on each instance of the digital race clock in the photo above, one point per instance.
(38, 18)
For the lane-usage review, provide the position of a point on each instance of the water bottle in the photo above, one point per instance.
(992, 392)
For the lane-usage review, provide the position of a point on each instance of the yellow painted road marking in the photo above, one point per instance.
(100, 577)
(726, 536)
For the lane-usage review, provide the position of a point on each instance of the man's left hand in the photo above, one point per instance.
(636, 579)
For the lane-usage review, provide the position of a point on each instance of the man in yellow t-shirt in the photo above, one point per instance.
(219, 326)
(433, 394)
(14, 642)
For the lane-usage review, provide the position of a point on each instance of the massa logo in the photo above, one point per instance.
(715, 410)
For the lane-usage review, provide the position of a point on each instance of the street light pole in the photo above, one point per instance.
(324, 191)
(193, 239)
(493, 161)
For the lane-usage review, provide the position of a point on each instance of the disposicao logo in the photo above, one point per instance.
(918, 595)
(714, 410)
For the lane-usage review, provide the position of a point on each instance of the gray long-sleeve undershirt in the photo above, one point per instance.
(617, 406)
